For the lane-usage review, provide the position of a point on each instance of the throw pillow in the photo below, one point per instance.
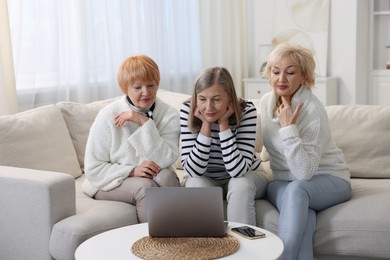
(79, 118)
(38, 139)
(175, 100)
(362, 133)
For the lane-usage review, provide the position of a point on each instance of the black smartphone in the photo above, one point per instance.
(248, 232)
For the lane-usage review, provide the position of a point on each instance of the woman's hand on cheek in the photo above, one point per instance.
(224, 120)
(200, 116)
(205, 128)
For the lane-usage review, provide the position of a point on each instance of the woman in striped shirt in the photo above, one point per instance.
(218, 132)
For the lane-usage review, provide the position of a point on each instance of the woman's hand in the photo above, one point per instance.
(200, 116)
(146, 169)
(224, 120)
(131, 116)
(286, 115)
(205, 129)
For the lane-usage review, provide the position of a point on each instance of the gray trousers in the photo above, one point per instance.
(240, 194)
(132, 190)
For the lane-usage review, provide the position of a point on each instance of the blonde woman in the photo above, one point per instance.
(309, 171)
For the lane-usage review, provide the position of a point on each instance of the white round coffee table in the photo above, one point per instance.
(116, 244)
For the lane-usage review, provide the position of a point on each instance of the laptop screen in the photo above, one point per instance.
(185, 212)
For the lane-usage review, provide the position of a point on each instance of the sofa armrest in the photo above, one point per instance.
(32, 201)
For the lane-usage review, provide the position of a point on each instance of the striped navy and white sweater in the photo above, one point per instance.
(223, 155)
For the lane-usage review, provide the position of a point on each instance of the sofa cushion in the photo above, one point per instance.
(175, 100)
(259, 133)
(362, 132)
(38, 139)
(359, 227)
(79, 118)
(267, 216)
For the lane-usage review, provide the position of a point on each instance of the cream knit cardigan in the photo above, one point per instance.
(113, 152)
(297, 152)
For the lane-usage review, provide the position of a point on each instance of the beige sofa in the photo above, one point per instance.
(45, 215)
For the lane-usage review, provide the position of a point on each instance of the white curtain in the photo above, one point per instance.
(224, 26)
(8, 101)
(72, 49)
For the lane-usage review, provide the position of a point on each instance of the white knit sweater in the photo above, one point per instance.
(113, 152)
(297, 152)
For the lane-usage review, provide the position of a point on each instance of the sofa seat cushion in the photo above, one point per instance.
(38, 139)
(267, 216)
(92, 217)
(359, 227)
(182, 175)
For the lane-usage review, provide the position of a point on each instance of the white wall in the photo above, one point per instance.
(263, 29)
(348, 49)
(347, 44)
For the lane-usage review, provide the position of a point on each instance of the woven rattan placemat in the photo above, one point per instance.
(185, 247)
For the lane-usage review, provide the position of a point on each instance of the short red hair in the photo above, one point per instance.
(135, 68)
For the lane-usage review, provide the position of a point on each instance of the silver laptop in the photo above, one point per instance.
(185, 212)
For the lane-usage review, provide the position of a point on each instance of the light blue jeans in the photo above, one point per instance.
(298, 202)
(240, 194)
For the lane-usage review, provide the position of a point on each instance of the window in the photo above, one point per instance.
(72, 49)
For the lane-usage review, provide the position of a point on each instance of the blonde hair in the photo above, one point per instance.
(209, 77)
(301, 56)
(135, 68)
